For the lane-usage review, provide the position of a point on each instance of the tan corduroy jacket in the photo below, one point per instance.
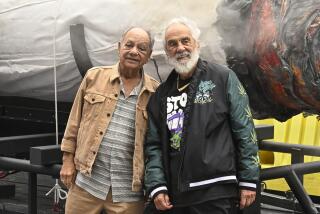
(91, 114)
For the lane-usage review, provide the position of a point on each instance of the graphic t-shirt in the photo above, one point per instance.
(175, 116)
(176, 103)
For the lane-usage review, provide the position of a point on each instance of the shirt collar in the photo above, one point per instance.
(136, 91)
(145, 83)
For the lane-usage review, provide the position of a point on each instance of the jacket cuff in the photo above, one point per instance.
(68, 146)
(157, 190)
(248, 185)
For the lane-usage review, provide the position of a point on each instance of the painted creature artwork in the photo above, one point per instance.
(274, 48)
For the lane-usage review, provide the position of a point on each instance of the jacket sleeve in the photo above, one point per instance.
(69, 140)
(244, 134)
(154, 181)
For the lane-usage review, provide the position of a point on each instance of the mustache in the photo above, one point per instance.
(186, 66)
(132, 58)
(183, 54)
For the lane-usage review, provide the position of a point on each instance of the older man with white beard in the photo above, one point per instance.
(201, 146)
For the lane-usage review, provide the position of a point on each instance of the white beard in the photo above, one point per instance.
(183, 68)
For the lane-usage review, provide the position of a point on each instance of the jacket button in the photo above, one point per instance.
(101, 133)
(93, 99)
(116, 95)
(94, 152)
(108, 115)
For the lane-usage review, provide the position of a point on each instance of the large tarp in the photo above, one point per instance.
(30, 29)
(273, 46)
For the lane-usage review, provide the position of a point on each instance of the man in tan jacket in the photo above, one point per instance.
(103, 162)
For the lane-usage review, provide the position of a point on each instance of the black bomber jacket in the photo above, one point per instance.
(219, 139)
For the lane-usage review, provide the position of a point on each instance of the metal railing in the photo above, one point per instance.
(293, 173)
(24, 165)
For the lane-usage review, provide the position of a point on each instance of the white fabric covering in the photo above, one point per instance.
(27, 29)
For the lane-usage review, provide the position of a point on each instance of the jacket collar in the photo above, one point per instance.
(114, 73)
(147, 82)
(146, 79)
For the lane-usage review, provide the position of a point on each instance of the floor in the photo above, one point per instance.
(18, 204)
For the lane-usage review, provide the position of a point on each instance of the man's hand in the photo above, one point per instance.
(247, 197)
(68, 170)
(162, 202)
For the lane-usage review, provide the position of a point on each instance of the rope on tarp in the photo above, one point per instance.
(59, 193)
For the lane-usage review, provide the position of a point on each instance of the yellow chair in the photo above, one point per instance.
(297, 130)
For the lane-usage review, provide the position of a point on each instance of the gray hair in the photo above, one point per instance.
(195, 31)
(151, 39)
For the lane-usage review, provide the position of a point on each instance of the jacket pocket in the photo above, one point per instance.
(92, 105)
(94, 98)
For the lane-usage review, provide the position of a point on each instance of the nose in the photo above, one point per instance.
(180, 47)
(134, 51)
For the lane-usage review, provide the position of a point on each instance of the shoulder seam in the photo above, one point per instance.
(100, 67)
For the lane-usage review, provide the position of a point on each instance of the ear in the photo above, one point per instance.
(198, 45)
(148, 57)
(119, 46)
(166, 51)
